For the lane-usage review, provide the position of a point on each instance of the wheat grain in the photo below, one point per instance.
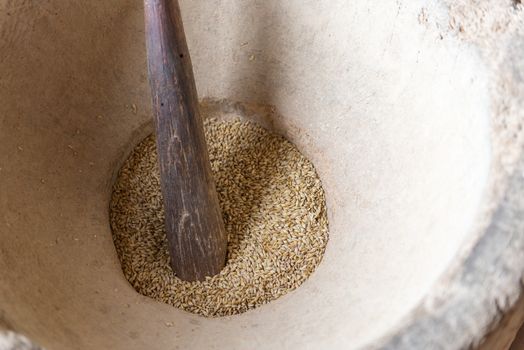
(274, 212)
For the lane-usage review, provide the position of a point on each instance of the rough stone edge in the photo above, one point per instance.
(487, 287)
(478, 304)
(13, 341)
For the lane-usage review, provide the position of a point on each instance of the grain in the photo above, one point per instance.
(274, 213)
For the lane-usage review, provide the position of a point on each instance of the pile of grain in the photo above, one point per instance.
(274, 211)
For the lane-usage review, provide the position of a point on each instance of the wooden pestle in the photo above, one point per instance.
(195, 229)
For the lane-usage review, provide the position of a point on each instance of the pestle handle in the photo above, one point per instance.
(195, 230)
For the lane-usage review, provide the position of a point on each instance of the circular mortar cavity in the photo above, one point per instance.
(395, 120)
(274, 213)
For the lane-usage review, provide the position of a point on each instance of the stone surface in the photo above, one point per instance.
(413, 123)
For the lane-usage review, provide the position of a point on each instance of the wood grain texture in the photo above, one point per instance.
(194, 225)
